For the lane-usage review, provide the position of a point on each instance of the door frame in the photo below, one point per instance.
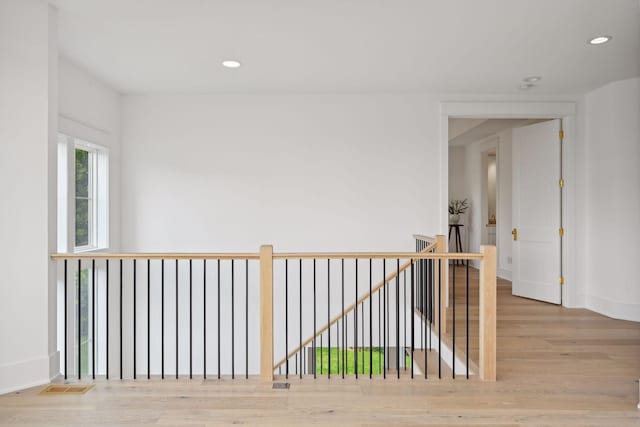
(566, 111)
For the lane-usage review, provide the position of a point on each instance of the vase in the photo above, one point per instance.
(454, 218)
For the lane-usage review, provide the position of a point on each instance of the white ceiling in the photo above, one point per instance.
(461, 46)
(464, 132)
(459, 127)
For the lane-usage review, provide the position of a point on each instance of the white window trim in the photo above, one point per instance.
(99, 226)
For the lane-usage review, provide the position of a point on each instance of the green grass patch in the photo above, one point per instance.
(346, 359)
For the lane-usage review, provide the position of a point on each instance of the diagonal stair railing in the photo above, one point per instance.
(352, 307)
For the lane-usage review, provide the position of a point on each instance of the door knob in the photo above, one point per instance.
(514, 233)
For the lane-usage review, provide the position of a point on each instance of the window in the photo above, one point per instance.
(85, 201)
(83, 195)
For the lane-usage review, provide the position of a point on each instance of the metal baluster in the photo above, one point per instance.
(344, 342)
(430, 302)
(404, 306)
(66, 297)
(384, 318)
(339, 346)
(204, 318)
(387, 324)
(218, 318)
(439, 319)
(233, 362)
(379, 330)
(413, 315)
(362, 336)
(398, 317)
(120, 318)
(177, 338)
(315, 355)
(162, 316)
(370, 318)
(453, 341)
(421, 291)
(107, 321)
(426, 315)
(93, 319)
(79, 318)
(190, 319)
(329, 315)
(300, 330)
(148, 319)
(425, 295)
(286, 318)
(355, 327)
(246, 319)
(134, 319)
(467, 321)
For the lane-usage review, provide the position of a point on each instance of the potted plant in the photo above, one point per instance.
(457, 207)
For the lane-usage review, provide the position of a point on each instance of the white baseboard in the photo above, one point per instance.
(28, 373)
(614, 309)
(54, 364)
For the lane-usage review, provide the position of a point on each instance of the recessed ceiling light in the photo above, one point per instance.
(231, 64)
(532, 79)
(526, 86)
(600, 40)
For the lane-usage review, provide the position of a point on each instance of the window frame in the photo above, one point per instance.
(99, 187)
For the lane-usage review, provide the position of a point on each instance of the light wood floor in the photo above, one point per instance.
(556, 366)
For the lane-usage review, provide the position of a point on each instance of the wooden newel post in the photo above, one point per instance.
(442, 281)
(488, 313)
(266, 313)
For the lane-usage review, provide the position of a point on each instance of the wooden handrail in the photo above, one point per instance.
(422, 237)
(282, 255)
(378, 255)
(352, 307)
(157, 255)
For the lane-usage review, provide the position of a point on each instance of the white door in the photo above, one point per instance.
(536, 211)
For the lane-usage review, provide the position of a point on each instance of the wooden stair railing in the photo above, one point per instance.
(266, 257)
(352, 307)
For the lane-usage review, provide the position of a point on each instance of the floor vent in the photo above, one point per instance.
(66, 389)
(281, 386)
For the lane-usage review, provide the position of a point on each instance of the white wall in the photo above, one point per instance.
(27, 219)
(90, 110)
(303, 172)
(613, 199)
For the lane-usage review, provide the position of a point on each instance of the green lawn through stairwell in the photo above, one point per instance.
(346, 359)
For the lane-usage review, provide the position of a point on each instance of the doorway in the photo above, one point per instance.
(479, 152)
